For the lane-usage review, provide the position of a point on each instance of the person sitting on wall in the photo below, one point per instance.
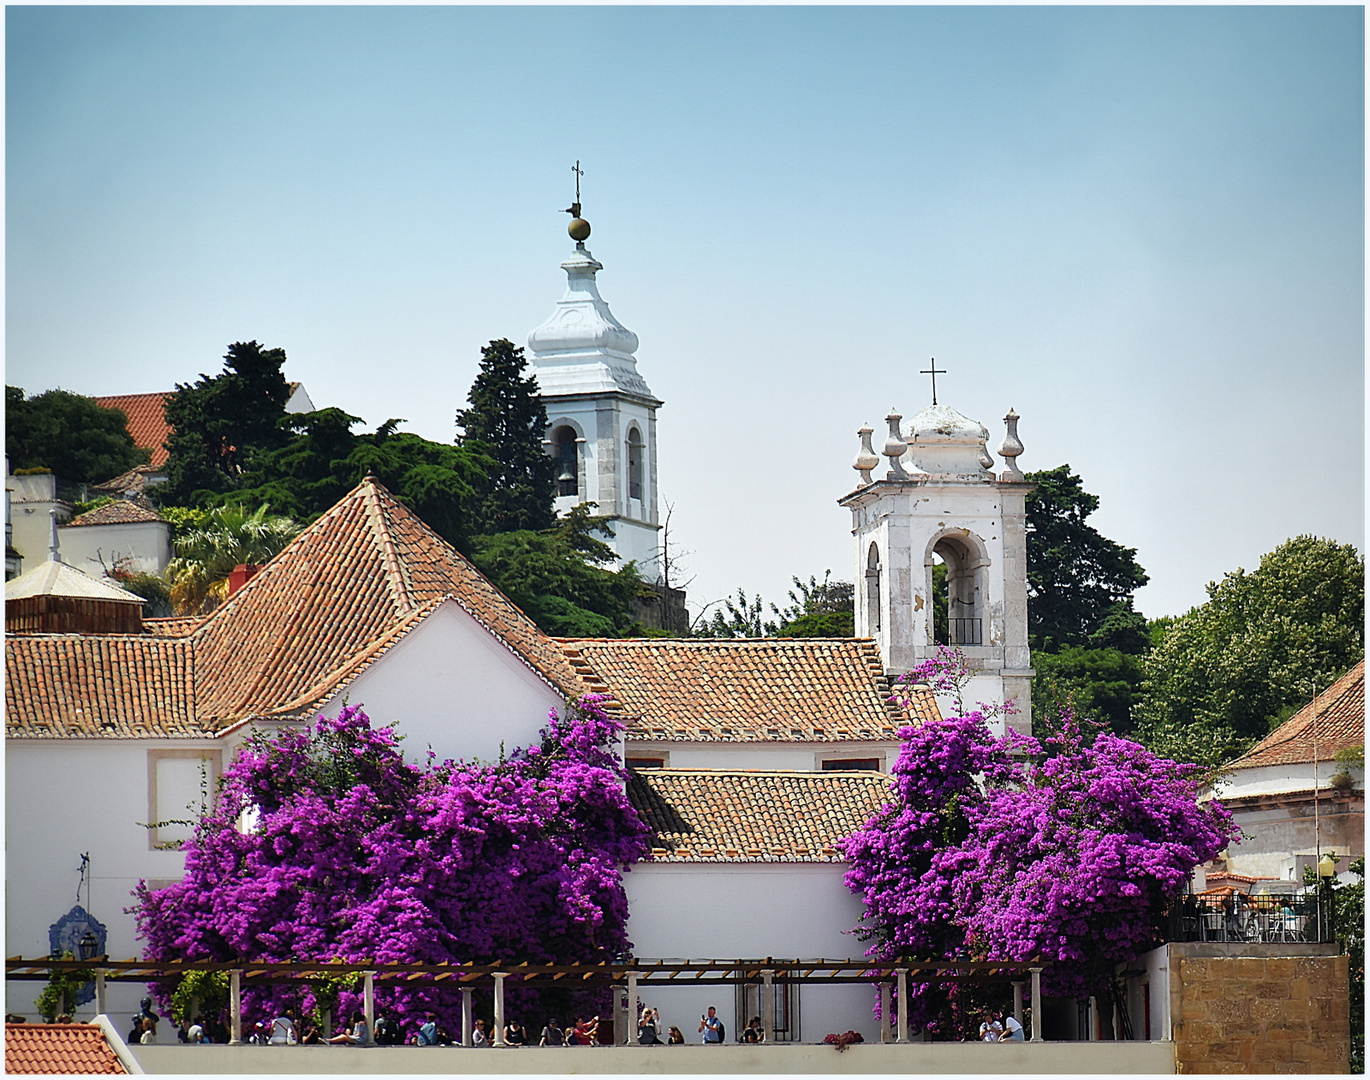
(360, 1035)
(478, 1036)
(1013, 1031)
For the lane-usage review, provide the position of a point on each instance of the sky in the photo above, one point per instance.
(1140, 228)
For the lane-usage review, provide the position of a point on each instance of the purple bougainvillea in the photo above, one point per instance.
(325, 844)
(1002, 849)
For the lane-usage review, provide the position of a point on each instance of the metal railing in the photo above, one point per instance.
(965, 632)
(1262, 918)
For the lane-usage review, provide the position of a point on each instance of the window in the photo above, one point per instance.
(568, 461)
(851, 764)
(634, 464)
(873, 589)
(644, 763)
(960, 621)
(784, 1010)
(181, 787)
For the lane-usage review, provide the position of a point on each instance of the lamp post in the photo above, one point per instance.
(1327, 899)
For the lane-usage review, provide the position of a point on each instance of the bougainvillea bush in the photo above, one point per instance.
(1007, 849)
(325, 844)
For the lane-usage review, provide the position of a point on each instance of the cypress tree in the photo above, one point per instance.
(507, 417)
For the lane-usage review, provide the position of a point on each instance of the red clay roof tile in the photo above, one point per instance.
(146, 420)
(60, 1049)
(120, 512)
(1336, 717)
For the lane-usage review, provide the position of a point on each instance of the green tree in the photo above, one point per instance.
(206, 555)
(743, 619)
(222, 423)
(558, 576)
(1350, 901)
(1076, 575)
(821, 609)
(1099, 684)
(68, 435)
(1255, 651)
(506, 419)
(322, 459)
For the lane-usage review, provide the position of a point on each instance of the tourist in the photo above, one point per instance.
(1013, 1030)
(752, 1033)
(195, 1033)
(283, 1030)
(676, 1037)
(990, 1028)
(514, 1035)
(712, 1027)
(646, 1029)
(552, 1035)
(478, 1036)
(149, 1036)
(428, 1031)
(360, 1035)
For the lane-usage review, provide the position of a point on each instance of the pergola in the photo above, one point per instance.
(631, 975)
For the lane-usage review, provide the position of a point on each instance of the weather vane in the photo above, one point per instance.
(934, 371)
(579, 227)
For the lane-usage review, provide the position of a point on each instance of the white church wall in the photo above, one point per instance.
(451, 685)
(748, 910)
(142, 546)
(67, 797)
(1273, 779)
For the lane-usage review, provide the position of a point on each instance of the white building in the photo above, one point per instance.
(601, 414)
(127, 534)
(939, 501)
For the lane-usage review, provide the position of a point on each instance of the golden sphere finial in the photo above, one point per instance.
(579, 229)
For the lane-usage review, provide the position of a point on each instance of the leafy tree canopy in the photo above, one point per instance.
(818, 609)
(69, 435)
(207, 553)
(556, 576)
(321, 460)
(1255, 651)
(507, 419)
(1076, 576)
(221, 423)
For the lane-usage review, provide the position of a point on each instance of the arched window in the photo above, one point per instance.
(963, 624)
(568, 461)
(634, 464)
(873, 588)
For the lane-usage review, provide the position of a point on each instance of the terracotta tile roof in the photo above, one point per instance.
(715, 815)
(146, 420)
(133, 480)
(173, 626)
(119, 687)
(59, 1048)
(341, 590)
(120, 512)
(335, 599)
(1340, 723)
(764, 689)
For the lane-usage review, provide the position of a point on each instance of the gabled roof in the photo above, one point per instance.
(747, 690)
(146, 420)
(59, 1049)
(119, 512)
(1335, 719)
(56, 578)
(339, 596)
(718, 815)
(136, 479)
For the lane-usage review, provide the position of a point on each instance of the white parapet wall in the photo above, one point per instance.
(1036, 1059)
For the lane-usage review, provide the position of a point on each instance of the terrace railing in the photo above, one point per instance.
(1260, 918)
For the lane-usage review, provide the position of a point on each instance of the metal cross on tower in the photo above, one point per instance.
(579, 173)
(934, 371)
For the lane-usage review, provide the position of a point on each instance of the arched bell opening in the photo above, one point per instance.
(567, 455)
(873, 588)
(956, 569)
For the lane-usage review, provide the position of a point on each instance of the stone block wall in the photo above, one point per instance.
(1255, 1014)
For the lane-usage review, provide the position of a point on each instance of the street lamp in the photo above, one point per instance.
(89, 945)
(1327, 898)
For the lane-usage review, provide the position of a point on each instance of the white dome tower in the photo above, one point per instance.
(601, 414)
(940, 499)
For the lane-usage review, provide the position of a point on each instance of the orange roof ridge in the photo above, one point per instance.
(396, 576)
(1339, 715)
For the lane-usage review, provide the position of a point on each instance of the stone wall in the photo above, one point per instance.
(1260, 1014)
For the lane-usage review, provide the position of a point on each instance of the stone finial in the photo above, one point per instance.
(895, 448)
(1011, 447)
(986, 462)
(865, 459)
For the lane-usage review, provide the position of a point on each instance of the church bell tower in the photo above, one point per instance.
(601, 414)
(940, 502)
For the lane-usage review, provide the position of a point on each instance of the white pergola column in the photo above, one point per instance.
(235, 1007)
(634, 1010)
(903, 1005)
(467, 1024)
(369, 1001)
(1037, 1004)
(99, 993)
(767, 1005)
(500, 976)
(884, 1012)
(1018, 1000)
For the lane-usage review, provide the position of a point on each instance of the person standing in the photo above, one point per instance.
(552, 1035)
(514, 1034)
(712, 1028)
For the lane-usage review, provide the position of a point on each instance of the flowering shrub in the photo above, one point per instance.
(355, 854)
(844, 1040)
(981, 854)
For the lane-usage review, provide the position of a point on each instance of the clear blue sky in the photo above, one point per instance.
(1142, 228)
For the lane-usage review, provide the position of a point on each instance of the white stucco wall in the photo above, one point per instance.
(73, 796)
(93, 549)
(730, 911)
(454, 687)
(801, 757)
